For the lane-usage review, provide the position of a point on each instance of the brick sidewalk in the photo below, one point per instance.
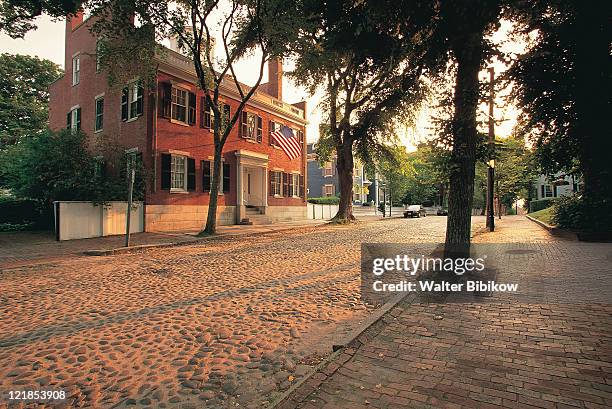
(491, 352)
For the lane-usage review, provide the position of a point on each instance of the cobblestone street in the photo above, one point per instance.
(547, 346)
(225, 323)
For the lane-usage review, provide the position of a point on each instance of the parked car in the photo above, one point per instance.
(415, 211)
(442, 212)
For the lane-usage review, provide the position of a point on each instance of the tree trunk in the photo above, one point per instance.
(211, 219)
(592, 66)
(344, 166)
(468, 54)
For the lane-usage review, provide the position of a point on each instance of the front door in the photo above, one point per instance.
(247, 186)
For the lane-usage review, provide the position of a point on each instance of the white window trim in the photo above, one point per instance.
(280, 182)
(172, 119)
(176, 189)
(133, 93)
(101, 96)
(76, 79)
(73, 118)
(295, 186)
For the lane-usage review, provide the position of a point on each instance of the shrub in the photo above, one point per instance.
(324, 200)
(24, 214)
(536, 205)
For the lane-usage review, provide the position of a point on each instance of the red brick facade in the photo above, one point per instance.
(155, 135)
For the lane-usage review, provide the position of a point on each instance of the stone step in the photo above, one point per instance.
(257, 219)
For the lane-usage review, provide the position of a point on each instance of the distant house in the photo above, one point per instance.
(323, 180)
(557, 185)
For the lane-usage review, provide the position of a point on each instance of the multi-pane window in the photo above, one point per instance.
(295, 185)
(98, 55)
(276, 183)
(251, 126)
(76, 69)
(207, 114)
(328, 170)
(272, 127)
(73, 119)
(131, 101)
(328, 190)
(178, 173)
(547, 191)
(99, 124)
(179, 104)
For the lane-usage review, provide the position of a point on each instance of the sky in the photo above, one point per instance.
(48, 42)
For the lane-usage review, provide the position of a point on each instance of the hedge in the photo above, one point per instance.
(324, 200)
(536, 205)
(24, 214)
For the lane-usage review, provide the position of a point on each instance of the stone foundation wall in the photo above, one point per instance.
(286, 213)
(184, 217)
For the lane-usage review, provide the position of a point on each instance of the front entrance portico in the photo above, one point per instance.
(251, 181)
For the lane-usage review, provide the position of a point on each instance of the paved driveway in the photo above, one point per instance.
(226, 322)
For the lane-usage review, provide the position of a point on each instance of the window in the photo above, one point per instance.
(357, 172)
(547, 191)
(294, 186)
(224, 178)
(273, 126)
(250, 126)
(328, 190)
(73, 119)
(131, 101)
(179, 105)
(99, 124)
(98, 55)
(178, 173)
(328, 170)
(276, 183)
(207, 114)
(76, 69)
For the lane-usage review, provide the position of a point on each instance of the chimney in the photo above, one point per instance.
(275, 78)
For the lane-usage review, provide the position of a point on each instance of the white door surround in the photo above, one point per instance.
(252, 181)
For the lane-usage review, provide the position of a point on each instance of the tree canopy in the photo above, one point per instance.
(24, 96)
(17, 17)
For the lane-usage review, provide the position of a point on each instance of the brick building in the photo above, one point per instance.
(169, 124)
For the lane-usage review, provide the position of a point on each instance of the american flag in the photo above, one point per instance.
(287, 141)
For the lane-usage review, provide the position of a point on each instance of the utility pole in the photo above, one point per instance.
(491, 164)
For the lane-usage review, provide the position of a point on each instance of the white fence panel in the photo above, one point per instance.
(80, 220)
(321, 211)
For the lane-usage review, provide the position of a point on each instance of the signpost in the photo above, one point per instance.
(131, 173)
(491, 170)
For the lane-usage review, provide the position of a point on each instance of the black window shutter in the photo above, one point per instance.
(289, 185)
(259, 128)
(543, 189)
(226, 177)
(69, 120)
(203, 107)
(271, 183)
(165, 99)
(78, 118)
(285, 185)
(205, 176)
(191, 175)
(165, 171)
(242, 131)
(192, 109)
(302, 186)
(270, 130)
(124, 104)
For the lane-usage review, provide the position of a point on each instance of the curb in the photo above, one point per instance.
(135, 249)
(555, 231)
(342, 353)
